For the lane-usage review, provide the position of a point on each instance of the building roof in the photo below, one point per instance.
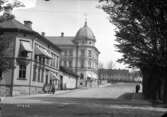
(12, 25)
(85, 33)
(61, 40)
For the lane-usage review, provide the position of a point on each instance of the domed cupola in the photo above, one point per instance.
(85, 33)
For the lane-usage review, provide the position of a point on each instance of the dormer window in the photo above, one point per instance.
(25, 48)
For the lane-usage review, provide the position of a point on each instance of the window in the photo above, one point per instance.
(0, 74)
(42, 74)
(23, 54)
(70, 63)
(22, 72)
(83, 41)
(65, 52)
(81, 76)
(34, 75)
(89, 53)
(41, 60)
(65, 63)
(82, 52)
(54, 60)
(89, 64)
(46, 61)
(71, 52)
(39, 75)
(82, 63)
(57, 66)
(36, 58)
(46, 77)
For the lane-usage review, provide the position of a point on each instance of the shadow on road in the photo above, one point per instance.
(125, 99)
(130, 96)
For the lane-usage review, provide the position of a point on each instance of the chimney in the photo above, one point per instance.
(8, 10)
(62, 34)
(28, 24)
(43, 34)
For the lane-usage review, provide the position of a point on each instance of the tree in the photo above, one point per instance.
(5, 5)
(141, 34)
(111, 65)
(101, 66)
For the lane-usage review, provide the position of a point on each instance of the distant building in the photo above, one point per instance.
(114, 75)
(80, 55)
(34, 60)
(136, 76)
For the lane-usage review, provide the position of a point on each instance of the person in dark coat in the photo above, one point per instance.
(137, 88)
(53, 89)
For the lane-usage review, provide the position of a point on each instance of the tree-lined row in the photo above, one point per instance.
(141, 36)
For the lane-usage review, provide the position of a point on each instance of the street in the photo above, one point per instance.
(103, 101)
(111, 91)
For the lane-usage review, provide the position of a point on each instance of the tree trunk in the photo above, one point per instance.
(145, 83)
(165, 89)
(150, 83)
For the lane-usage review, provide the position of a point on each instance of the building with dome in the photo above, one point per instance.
(80, 55)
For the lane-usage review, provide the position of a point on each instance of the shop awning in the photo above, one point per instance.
(89, 75)
(54, 76)
(42, 52)
(25, 46)
(92, 75)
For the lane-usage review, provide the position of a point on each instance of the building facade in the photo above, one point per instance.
(114, 75)
(80, 55)
(68, 79)
(34, 61)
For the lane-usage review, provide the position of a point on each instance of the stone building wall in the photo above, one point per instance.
(26, 90)
(5, 91)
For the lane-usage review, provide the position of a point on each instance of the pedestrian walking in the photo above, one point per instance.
(137, 88)
(53, 89)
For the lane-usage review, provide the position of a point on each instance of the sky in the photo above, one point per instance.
(56, 16)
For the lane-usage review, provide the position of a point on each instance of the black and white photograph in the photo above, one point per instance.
(83, 58)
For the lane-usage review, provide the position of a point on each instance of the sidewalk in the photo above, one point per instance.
(23, 98)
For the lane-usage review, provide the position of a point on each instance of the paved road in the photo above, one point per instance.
(109, 91)
(94, 102)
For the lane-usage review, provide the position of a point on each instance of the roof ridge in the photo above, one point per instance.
(60, 36)
(13, 23)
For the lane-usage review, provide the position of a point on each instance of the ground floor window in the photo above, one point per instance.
(81, 76)
(22, 72)
(0, 74)
(46, 77)
(35, 73)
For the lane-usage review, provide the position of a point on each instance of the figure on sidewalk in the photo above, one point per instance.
(53, 89)
(137, 88)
